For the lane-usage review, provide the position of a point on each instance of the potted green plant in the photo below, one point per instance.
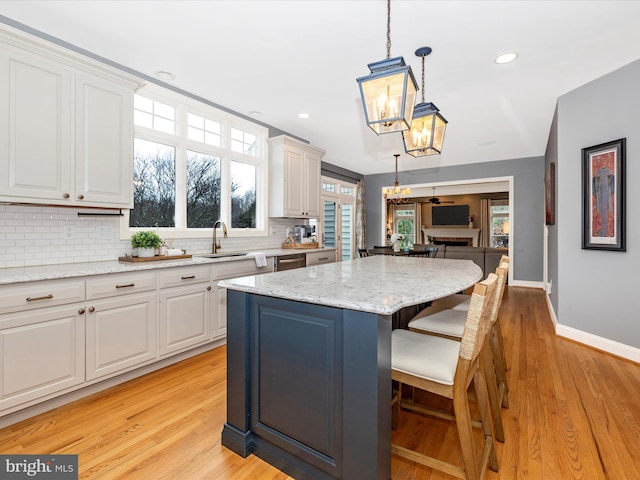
(146, 241)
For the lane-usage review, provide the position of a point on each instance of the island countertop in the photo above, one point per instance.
(380, 284)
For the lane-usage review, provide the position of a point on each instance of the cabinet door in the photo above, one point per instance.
(312, 184)
(121, 334)
(219, 312)
(41, 353)
(185, 317)
(104, 149)
(35, 133)
(294, 183)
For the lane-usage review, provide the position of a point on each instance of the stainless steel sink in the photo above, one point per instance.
(221, 255)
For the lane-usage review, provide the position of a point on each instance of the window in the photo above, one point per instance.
(499, 221)
(194, 165)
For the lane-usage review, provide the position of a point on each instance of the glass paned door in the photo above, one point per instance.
(347, 235)
(330, 214)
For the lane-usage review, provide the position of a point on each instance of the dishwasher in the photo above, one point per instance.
(289, 262)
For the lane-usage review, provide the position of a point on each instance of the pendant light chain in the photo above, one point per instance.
(388, 29)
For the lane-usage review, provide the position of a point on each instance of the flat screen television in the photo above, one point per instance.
(450, 215)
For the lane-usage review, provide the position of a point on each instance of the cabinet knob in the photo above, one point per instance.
(209, 288)
(80, 197)
(65, 195)
(81, 311)
(92, 309)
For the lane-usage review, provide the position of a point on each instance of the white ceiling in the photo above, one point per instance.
(285, 57)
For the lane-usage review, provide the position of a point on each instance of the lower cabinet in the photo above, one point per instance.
(185, 317)
(42, 353)
(221, 271)
(321, 257)
(121, 334)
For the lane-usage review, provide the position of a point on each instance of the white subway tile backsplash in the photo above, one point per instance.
(34, 235)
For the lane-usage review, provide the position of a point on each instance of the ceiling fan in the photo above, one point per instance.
(436, 201)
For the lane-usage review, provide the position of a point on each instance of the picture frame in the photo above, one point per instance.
(550, 195)
(603, 196)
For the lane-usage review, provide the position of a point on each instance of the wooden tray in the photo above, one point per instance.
(300, 245)
(153, 259)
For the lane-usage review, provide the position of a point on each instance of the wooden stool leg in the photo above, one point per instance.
(486, 363)
(497, 346)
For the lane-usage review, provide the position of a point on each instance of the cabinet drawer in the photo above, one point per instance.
(120, 284)
(318, 258)
(176, 277)
(240, 268)
(26, 296)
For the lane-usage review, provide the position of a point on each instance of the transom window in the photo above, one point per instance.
(194, 165)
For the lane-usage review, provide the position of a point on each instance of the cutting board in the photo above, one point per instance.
(153, 259)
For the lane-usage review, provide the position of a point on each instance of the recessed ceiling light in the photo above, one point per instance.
(255, 113)
(506, 58)
(303, 115)
(162, 75)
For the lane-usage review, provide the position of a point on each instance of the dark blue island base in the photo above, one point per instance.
(309, 387)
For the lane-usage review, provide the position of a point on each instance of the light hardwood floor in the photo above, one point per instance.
(574, 414)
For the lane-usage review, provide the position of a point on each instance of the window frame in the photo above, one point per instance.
(184, 105)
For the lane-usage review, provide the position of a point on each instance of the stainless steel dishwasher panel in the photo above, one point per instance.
(289, 262)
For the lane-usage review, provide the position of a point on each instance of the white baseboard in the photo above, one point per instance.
(604, 344)
(526, 283)
(615, 348)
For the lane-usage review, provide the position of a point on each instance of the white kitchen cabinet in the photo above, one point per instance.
(221, 271)
(41, 340)
(66, 127)
(320, 257)
(294, 176)
(121, 323)
(185, 308)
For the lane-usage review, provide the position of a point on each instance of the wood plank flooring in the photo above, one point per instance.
(574, 414)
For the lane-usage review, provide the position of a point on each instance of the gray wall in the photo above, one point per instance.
(596, 289)
(528, 187)
(551, 155)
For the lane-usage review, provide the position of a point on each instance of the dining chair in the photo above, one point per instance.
(447, 368)
(428, 252)
(362, 252)
(450, 323)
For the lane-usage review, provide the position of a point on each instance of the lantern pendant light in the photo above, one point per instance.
(426, 135)
(389, 91)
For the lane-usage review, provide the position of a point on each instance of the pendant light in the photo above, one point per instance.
(426, 135)
(389, 91)
(396, 194)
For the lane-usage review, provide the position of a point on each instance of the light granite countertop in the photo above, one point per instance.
(381, 284)
(71, 270)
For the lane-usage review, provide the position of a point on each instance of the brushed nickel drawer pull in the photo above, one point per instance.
(33, 299)
(127, 285)
(188, 277)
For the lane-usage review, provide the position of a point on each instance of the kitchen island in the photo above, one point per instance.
(309, 361)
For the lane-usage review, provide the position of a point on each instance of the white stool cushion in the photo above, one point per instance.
(443, 321)
(458, 301)
(424, 356)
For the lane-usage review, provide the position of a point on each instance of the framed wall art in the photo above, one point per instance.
(603, 196)
(550, 195)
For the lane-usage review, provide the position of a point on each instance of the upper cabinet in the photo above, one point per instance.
(66, 127)
(294, 178)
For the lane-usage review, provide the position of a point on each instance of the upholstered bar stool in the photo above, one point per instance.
(450, 323)
(447, 367)
(440, 319)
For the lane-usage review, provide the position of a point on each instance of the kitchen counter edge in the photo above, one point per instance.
(14, 275)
